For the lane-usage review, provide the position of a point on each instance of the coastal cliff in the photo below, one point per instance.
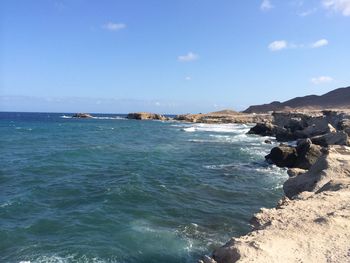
(224, 116)
(312, 222)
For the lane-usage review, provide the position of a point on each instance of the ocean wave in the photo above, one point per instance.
(252, 143)
(23, 129)
(254, 166)
(109, 118)
(96, 118)
(256, 150)
(219, 128)
(189, 129)
(66, 259)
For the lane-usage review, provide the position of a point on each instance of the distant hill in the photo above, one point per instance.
(336, 99)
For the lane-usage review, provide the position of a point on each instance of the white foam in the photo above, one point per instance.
(97, 118)
(218, 166)
(217, 128)
(25, 129)
(66, 259)
(109, 118)
(190, 129)
(6, 204)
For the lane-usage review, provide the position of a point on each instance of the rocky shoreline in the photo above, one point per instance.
(311, 223)
(224, 116)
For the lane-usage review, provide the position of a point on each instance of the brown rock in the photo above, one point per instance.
(82, 115)
(295, 171)
(263, 129)
(308, 154)
(146, 116)
(282, 156)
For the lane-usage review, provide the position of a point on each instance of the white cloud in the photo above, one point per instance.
(342, 6)
(266, 5)
(188, 57)
(283, 44)
(321, 80)
(308, 12)
(114, 26)
(278, 45)
(188, 78)
(320, 43)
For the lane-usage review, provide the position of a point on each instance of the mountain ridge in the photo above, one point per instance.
(338, 98)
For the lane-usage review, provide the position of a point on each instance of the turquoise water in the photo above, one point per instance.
(115, 190)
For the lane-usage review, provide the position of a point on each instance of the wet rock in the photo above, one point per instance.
(268, 141)
(282, 156)
(82, 115)
(263, 129)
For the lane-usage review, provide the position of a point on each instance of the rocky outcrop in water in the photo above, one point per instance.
(282, 156)
(303, 156)
(82, 115)
(146, 116)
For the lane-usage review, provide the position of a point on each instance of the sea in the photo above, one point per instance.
(108, 189)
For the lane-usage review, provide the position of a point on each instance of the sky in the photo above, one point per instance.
(176, 56)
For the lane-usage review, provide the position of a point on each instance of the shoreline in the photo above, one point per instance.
(311, 223)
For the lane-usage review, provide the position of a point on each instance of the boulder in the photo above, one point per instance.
(82, 115)
(268, 141)
(146, 116)
(317, 126)
(295, 171)
(226, 254)
(285, 135)
(291, 120)
(207, 259)
(344, 125)
(335, 138)
(335, 117)
(263, 129)
(282, 156)
(307, 154)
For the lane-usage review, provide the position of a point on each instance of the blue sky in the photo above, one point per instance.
(169, 56)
